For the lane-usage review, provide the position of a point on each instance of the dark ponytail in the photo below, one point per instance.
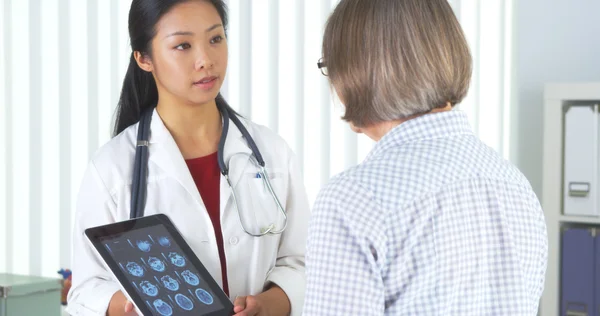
(139, 93)
(139, 90)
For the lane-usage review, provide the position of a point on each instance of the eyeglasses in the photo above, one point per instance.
(322, 66)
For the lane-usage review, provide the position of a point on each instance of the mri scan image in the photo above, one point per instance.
(156, 264)
(170, 283)
(135, 269)
(184, 302)
(177, 259)
(190, 278)
(144, 245)
(164, 241)
(149, 288)
(204, 296)
(163, 308)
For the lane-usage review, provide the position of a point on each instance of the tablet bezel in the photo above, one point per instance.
(96, 234)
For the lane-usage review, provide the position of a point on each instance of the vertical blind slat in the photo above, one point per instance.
(260, 64)
(325, 106)
(115, 87)
(35, 136)
(476, 69)
(245, 38)
(21, 132)
(273, 59)
(92, 76)
(501, 59)
(79, 97)
(490, 74)
(299, 71)
(508, 76)
(5, 128)
(105, 45)
(50, 127)
(64, 102)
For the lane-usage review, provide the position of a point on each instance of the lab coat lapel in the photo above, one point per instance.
(166, 154)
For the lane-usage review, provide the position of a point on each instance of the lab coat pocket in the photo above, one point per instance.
(264, 208)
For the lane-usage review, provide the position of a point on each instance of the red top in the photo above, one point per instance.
(206, 175)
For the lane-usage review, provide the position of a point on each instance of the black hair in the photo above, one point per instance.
(139, 90)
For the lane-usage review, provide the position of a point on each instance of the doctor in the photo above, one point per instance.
(178, 65)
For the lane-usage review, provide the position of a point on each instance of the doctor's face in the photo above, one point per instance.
(189, 53)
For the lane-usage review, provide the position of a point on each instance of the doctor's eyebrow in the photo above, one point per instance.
(187, 33)
(213, 27)
(180, 33)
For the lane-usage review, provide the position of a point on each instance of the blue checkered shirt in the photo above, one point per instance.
(433, 222)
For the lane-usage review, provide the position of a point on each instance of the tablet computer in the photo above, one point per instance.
(157, 270)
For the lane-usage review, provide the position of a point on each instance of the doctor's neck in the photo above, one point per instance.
(196, 128)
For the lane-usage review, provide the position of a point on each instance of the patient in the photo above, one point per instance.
(433, 222)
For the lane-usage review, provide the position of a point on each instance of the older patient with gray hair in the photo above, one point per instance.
(433, 221)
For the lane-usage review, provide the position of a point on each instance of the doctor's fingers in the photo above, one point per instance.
(129, 309)
(239, 304)
(248, 306)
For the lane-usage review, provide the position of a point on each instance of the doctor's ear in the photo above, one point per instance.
(143, 61)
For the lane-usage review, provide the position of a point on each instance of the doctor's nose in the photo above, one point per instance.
(204, 61)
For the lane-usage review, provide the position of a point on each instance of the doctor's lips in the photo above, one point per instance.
(206, 83)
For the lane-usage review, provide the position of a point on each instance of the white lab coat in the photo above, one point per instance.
(252, 262)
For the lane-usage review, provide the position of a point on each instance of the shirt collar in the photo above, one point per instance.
(428, 126)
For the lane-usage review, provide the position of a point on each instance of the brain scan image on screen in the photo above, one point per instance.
(184, 302)
(164, 241)
(149, 288)
(144, 245)
(190, 278)
(135, 269)
(177, 259)
(204, 296)
(156, 264)
(170, 283)
(163, 307)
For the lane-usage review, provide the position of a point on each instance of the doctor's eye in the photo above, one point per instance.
(183, 46)
(217, 39)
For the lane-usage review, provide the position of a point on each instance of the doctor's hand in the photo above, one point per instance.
(248, 306)
(120, 306)
(272, 302)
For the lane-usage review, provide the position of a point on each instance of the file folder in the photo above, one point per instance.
(581, 161)
(578, 272)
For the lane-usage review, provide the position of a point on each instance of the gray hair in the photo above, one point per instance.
(392, 59)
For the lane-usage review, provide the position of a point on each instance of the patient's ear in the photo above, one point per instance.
(144, 61)
(355, 129)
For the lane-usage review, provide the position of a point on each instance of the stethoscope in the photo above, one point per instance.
(140, 168)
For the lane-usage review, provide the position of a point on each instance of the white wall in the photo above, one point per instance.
(557, 41)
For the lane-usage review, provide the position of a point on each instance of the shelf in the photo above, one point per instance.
(555, 97)
(579, 219)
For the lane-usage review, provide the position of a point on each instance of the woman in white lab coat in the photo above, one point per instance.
(178, 65)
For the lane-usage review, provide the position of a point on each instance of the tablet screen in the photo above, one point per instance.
(160, 272)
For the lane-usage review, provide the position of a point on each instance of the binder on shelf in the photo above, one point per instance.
(578, 272)
(581, 161)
